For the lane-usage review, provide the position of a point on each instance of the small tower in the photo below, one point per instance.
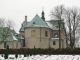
(42, 15)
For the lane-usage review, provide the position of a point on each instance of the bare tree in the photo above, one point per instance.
(5, 29)
(58, 13)
(75, 20)
(72, 17)
(68, 20)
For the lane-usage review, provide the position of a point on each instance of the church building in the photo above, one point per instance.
(39, 33)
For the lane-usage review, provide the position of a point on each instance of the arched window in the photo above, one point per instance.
(33, 33)
(46, 33)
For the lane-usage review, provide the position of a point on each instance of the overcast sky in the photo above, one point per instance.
(15, 10)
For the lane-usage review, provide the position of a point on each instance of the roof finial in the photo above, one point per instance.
(42, 14)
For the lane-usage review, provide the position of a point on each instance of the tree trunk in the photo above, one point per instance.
(59, 35)
(4, 44)
(65, 35)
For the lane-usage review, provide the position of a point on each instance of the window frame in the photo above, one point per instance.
(33, 33)
(46, 33)
(54, 42)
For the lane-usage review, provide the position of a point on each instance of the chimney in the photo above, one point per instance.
(26, 19)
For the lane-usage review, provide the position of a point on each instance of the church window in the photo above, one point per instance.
(23, 42)
(46, 33)
(33, 33)
(54, 43)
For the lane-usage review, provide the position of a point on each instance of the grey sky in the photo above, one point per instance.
(16, 9)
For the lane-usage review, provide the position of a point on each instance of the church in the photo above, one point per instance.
(39, 33)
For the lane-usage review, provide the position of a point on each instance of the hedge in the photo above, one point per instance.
(35, 51)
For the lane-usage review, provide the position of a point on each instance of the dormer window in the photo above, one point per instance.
(33, 22)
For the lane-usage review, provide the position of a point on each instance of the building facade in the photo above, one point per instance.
(38, 33)
(9, 39)
(43, 34)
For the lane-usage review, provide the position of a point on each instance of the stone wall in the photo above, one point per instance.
(11, 44)
(37, 39)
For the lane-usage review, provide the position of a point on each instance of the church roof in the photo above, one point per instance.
(54, 24)
(37, 22)
(51, 26)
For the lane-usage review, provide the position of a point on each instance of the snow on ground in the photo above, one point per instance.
(42, 57)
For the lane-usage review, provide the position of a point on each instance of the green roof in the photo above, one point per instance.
(37, 22)
(7, 34)
(56, 23)
(23, 25)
